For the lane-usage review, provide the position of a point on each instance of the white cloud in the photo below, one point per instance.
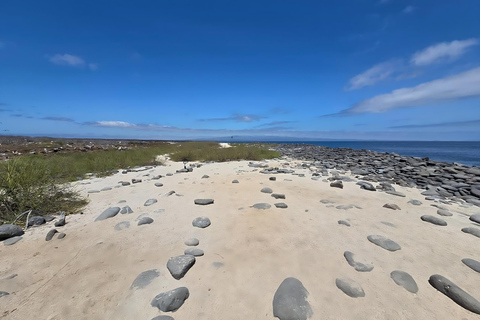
(110, 124)
(442, 51)
(462, 85)
(409, 9)
(67, 60)
(373, 75)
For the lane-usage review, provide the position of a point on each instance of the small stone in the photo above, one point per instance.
(388, 223)
(433, 220)
(262, 206)
(266, 190)
(12, 240)
(384, 243)
(163, 318)
(169, 193)
(343, 222)
(136, 180)
(125, 183)
(235, 181)
(415, 202)
(444, 213)
(455, 293)
(359, 266)
(122, 225)
(290, 301)
(391, 206)
(61, 235)
(281, 205)
(472, 231)
(395, 193)
(36, 221)
(192, 242)
(4, 293)
(350, 287)
(145, 220)
(194, 252)
(10, 230)
(472, 264)
(272, 178)
(278, 196)
(405, 280)
(149, 202)
(50, 234)
(179, 266)
(203, 202)
(201, 222)
(158, 184)
(109, 213)
(61, 222)
(171, 300)
(337, 184)
(106, 189)
(475, 217)
(205, 176)
(93, 191)
(126, 210)
(144, 279)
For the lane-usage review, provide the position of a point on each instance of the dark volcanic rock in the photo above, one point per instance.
(201, 222)
(350, 287)
(455, 293)
(194, 252)
(383, 242)
(163, 318)
(361, 267)
(278, 196)
(10, 230)
(4, 293)
(366, 186)
(472, 264)
(475, 218)
(405, 280)
(434, 220)
(61, 235)
(345, 223)
(266, 190)
(109, 213)
(60, 222)
(415, 202)
(337, 184)
(145, 220)
(281, 205)
(158, 184)
(179, 265)
(261, 206)
(391, 206)
(272, 178)
(149, 202)
(235, 181)
(290, 301)
(50, 234)
(36, 221)
(473, 231)
(444, 213)
(144, 279)
(203, 202)
(171, 300)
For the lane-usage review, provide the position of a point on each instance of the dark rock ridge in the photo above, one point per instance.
(441, 180)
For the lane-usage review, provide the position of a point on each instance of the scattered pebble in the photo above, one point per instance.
(61, 235)
(281, 205)
(194, 252)
(12, 240)
(179, 265)
(126, 210)
(158, 184)
(350, 287)
(415, 202)
(122, 225)
(278, 196)
(50, 234)
(203, 202)
(391, 206)
(149, 202)
(171, 300)
(444, 213)
(405, 280)
(109, 213)
(359, 266)
(145, 220)
(433, 220)
(262, 206)
(10, 230)
(473, 231)
(235, 181)
(337, 184)
(344, 222)
(201, 222)
(383, 242)
(472, 264)
(266, 190)
(192, 242)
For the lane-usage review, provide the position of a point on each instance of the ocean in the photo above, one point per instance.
(464, 152)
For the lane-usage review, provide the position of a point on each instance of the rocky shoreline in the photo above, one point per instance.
(443, 181)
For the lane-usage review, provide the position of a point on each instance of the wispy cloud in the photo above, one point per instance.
(111, 124)
(58, 119)
(442, 51)
(409, 9)
(238, 118)
(71, 60)
(462, 85)
(475, 123)
(373, 75)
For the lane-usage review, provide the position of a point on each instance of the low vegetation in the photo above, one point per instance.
(39, 182)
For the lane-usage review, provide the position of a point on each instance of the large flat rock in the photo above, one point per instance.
(455, 293)
(383, 242)
(405, 280)
(290, 301)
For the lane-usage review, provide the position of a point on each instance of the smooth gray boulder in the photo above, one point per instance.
(391, 206)
(384, 243)
(144, 220)
(201, 222)
(475, 217)
(126, 210)
(472, 231)
(158, 184)
(455, 293)
(194, 252)
(337, 184)
(405, 280)
(36, 221)
(192, 242)
(278, 196)
(172, 300)
(415, 202)
(109, 213)
(350, 287)
(50, 234)
(12, 240)
(235, 181)
(359, 266)
(203, 202)
(179, 265)
(472, 264)
(290, 301)
(444, 213)
(9, 231)
(433, 220)
(266, 190)
(149, 202)
(61, 235)
(262, 206)
(281, 205)
(122, 225)
(144, 279)
(366, 186)
(344, 222)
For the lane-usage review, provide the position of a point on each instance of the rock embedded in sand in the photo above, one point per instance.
(433, 220)
(201, 222)
(266, 190)
(391, 206)
(126, 210)
(384, 243)
(278, 196)
(205, 176)
(475, 217)
(395, 193)
(290, 301)
(272, 178)
(144, 220)
(281, 205)
(149, 202)
(158, 184)
(171, 300)
(203, 202)
(344, 222)
(179, 265)
(366, 186)
(405, 280)
(350, 287)
(235, 181)
(136, 181)
(455, 293)
(359, 266)
(262, 206)
(36, 221)
(144, 279)
(192, 242)
(472, 231)
(61, 222)
(9, 231)
(4, 293)
(61, 235)
(122, 225)
(109, 213)
(415, 202)
(472, 264)
(93, 191)
(337, 184)
(50, 234)
(12, 240)
(163, 318)
(194, 252)
(444, 213)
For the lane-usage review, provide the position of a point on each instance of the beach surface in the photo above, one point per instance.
(248, 252)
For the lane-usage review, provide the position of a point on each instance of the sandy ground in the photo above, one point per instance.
(248, 252)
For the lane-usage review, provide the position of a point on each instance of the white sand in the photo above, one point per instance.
(248, 252)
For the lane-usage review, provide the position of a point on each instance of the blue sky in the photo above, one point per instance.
(356, 69)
